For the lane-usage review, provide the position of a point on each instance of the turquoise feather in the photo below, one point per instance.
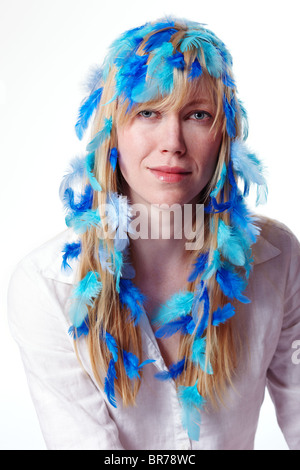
(229, 244)
(191, 402)
(100, 137)
(177, 306)
(83, 296)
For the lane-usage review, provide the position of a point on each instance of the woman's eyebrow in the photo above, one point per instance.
(198, 101)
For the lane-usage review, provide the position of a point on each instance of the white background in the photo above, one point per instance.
(46, 49)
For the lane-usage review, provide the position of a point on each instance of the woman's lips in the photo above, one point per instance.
(170, 174)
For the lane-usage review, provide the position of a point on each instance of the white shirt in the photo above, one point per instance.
(75, 414)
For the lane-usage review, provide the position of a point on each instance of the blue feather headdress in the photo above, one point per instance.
(144, 61)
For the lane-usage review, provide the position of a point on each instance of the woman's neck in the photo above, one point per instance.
(160, 259)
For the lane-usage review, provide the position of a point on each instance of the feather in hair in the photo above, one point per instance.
(177, 306)
(83, 296)
(75, 173)
(184, 325)
(222, 314)
(100, 137)
(83, 221)
(204, 297)
(113, 157)
(111, 344)
(199, 266)
(174, 371)
(159, 55)
(220, 182)
(109, 383)
(158, 38)
(198, 355)
(71, 251)
(83, 329)
(191, 402)
(230, 117)
(132, 297)
(176, 60)
(195, 70)
(213, 59)
(231, 283)
(213, 266)
(229, 244)
(85, 200)
(94, 77)
(89, 167)
(132, 366)
(248, 167)
(241, 218)
(88, 106)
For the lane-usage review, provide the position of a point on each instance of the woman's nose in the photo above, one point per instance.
(171, 136)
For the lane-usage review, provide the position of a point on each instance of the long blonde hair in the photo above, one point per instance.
(107, 314)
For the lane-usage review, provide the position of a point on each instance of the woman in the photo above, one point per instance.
(168, 347)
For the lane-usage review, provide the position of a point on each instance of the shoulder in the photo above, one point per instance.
(275, 240)
(45, 261)
(38, 289)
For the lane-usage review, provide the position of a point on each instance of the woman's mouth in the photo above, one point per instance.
(170, 174)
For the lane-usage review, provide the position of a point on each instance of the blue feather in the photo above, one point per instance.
(223, 314)
(169, 329)
(83, 329)
(205, 316)
(111, 344)
(231, 283)
(158, 38)
(195, 70)
(113, 158)
(85, 201)
(71, 251)
(86, 110)
(174, 371)
(132, 366)
(230, 117)
(227, 80)
(191, 402)
(100, 137)
(109, 383)
(132, 73)
(176, 60)
(241, 218)
(199, 266)
(131, 297)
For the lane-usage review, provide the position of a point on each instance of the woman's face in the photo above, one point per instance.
(168, 156)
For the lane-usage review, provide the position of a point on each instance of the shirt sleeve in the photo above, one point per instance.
(72, 412)
(283, 377)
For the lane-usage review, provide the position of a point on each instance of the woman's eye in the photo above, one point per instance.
(146, 113)
(200, 115)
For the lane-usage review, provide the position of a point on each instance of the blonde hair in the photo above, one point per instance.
(107, 314)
